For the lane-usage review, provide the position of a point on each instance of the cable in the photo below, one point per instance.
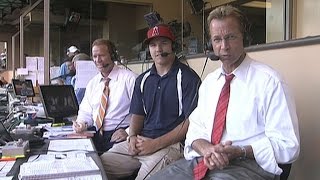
(204, 66)
(115, 129)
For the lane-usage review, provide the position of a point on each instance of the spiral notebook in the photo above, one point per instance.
(58, 168)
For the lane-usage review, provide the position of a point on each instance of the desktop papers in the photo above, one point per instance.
(64, 161)
(59, 168)
(65, 145)
(65, 132)
(5, 167)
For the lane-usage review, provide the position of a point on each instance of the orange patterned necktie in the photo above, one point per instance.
(103, 107)
(200, 169)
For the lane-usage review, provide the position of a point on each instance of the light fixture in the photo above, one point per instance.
(258, 4)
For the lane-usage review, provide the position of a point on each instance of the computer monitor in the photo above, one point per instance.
(23, 87)
(59, 102)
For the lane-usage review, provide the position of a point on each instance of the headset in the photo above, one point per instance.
(173, 50)
(174, 44)
(245, 27)
(113, 51)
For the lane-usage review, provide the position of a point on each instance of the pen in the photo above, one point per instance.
(58, 124)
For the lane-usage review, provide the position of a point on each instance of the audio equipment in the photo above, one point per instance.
(113, 52)
(175, 46)
(105, 65)
(15, 148)
(164, 54)
(213, 56)
(245, 28)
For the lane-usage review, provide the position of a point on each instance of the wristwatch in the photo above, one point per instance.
(243, 153)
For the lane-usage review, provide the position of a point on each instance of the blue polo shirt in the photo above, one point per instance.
(165, 101)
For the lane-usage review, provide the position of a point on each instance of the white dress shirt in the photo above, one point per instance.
(261, 113)
(121, 88)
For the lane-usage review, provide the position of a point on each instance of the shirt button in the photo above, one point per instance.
(158, 87)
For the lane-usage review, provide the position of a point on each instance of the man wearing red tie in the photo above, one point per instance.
(245, 123)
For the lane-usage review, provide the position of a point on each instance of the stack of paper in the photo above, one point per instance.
(58, 168)
(65, 132)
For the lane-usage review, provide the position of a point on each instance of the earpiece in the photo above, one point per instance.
(244, 22)
(113, 52)
(175, 46)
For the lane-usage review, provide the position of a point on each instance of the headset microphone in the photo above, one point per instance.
(213, 57)
(105, 65)
(164, 54)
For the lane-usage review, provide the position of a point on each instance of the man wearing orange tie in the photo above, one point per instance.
(105, 106)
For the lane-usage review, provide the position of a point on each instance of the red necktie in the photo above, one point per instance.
(103, 107)
(200, 169)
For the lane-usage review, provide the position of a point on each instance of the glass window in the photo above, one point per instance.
(266, 19)
(80, 22)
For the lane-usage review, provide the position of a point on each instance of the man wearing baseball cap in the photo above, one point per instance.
(65, 73)
(163, 98)
(72, 51)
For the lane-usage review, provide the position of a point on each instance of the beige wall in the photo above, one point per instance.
(299, 66)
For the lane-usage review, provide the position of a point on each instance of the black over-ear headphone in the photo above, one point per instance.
(245, 25)
(113, 52)
(175, 46)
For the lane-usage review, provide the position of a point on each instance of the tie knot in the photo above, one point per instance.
(107, 80)
(229, 78)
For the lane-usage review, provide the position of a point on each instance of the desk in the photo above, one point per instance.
(43, 149)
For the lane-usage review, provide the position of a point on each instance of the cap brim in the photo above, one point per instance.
(147, 40)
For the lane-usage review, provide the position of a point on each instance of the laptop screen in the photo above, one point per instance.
(23, 87)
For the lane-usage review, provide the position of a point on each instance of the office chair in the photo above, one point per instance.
(286, 171)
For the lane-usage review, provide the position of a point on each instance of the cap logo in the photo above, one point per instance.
(155, 31)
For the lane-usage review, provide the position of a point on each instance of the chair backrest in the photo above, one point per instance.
(286, 171)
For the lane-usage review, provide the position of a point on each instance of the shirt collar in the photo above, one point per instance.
(153, 70)
(113, 75)
(240, 72)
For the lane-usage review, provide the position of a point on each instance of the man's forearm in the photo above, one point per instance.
(201, 146)
(176, 135)
(136, 125)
